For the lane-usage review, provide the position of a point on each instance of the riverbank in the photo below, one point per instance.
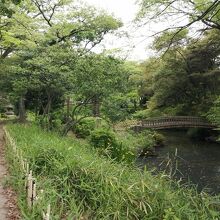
(79, 183)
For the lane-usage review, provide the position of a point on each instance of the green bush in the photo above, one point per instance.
(106, 142)
(52, 122)
(124, 146)
(102, 139)
(147, 113)
(84, 128)
(119, 107)
(158, 138)
(142, 114)
(179, 109)
(213, 114)
(134, 140)
(135, 143)
(151, 113)
(148, 139)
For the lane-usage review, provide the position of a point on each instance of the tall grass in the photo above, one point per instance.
(80, 184)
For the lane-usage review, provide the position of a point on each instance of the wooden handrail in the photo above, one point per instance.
(176, 121)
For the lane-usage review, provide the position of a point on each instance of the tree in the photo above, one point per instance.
(17, 32)
(84, 26)
(185, 80)
(214, 113)
(99, 76)
(40, 28)
(181, 14)
(45, 75)
(40, 22)
(203, 11)
(120, 104)
(5, 7)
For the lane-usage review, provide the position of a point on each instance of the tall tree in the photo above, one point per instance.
(181, 15)
(186, 81)
(207, 12)
(99, 76)
(37, 27)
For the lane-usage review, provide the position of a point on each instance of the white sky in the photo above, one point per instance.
(124, 9)
(135, 46)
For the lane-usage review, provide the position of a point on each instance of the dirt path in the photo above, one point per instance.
(8, 207)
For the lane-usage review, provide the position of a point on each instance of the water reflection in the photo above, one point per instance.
(194, 161)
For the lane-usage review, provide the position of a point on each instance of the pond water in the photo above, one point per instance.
(195, 162)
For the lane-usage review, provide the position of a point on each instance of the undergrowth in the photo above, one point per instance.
(80, 184)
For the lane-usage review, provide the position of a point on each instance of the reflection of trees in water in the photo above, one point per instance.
(188, 161)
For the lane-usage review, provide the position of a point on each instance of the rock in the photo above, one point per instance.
(148, 153)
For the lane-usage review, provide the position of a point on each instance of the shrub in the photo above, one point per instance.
(148, 139)
(125, 125)
(213, 114)
(52, 121)
(102, 138)
(159, 139)
(135, 143)
(84, 128)
(147, 113)
(179, 109)
(110, 146)
(119, 107)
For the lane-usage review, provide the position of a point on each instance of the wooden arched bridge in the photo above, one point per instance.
(174, 122)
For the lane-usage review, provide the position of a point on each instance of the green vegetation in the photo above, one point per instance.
(77, 182)
(214, 112)
(51, 74)
(105, 141)
(181, 81)
(121, 146)
(184, 78)
(41, 71)
(84, 128)
(196, 12)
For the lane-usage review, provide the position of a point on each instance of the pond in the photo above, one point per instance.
(192, 161)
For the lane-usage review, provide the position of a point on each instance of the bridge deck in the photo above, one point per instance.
(176, 122)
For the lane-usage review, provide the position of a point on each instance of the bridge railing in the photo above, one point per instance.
(183, 121)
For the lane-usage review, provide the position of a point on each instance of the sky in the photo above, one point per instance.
(125, 9)
(137, 43)
(133, 47)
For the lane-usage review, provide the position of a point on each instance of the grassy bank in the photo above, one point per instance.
(77, 182)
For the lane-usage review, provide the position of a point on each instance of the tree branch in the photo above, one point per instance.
(6, 53)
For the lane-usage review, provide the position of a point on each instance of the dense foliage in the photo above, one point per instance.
(184, 81)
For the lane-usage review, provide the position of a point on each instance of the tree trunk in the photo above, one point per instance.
(47, 115)
(135, 105)
(46, 119)
(68, 107)
(22, 112)
(96, 106)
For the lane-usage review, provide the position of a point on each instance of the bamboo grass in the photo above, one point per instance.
(78, 183)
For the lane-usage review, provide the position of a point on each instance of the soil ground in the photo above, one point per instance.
(8, 202)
